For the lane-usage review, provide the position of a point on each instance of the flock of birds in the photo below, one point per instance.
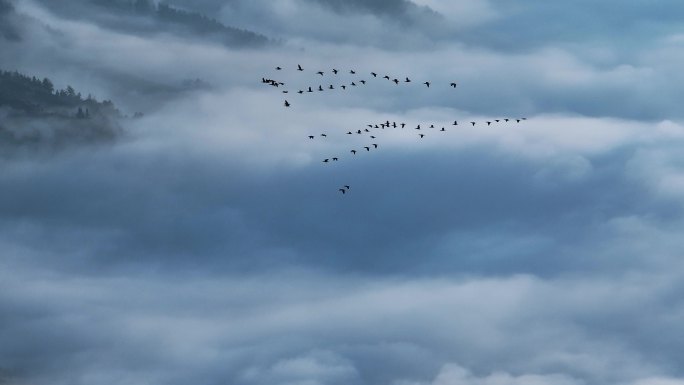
(370, 130)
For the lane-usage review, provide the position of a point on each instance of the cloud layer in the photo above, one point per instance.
(210, 243)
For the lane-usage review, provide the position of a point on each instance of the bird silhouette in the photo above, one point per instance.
(299, 68)
(353, 84)
(403, 125)
(324, 135)
(453, 85)
(372, 137)
(331, 87)
(432, 126)
(367, 148)
(352, 72)
(506, 120)
(343, 191)
(375, 145)
(396, 81)
(335, 71)
(311, 136)
(347, 187)
(455, 123)
(517, 120)
(370, 125)
(335, 159)
(497, 120)
(320, 73)
(362, 81)
(285, 91)
(300, 92)
(343, 87)
(394, 124)
(421, 135)
(418, 127)
(349, 133)
(489, 123)
(358, 132)
(386, 77)
(353, 152)
(427, 84)
(443, 129)
(278, 68)
(287, 104)
(365, 129)
(407, 80)
(374, 74)
(320, 88)
(325, 160)
(310, 90)
(473, 123)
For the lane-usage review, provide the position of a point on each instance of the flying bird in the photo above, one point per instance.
(347, 187)
(320, 88)
(331, 87)
(421, 135)
(396, 81)
(375, 145)
(473, 123)
(352, 72)
(506, 119)
(386, 77)
(324, 135)
(443, 129)
(285, 91)
(427, 84)
(374, 74)
(325, 160)
(278, 68)
(353, 152)
(300, 92)
(349, 133)
(353, 84)
(299, 68)
(335, 71)
(358, 132)
(403, 125)
(362, 81)
(343, 87)
(489, 123)
(320, 73)
(453, 85)
(311, 136)
(418, 127)
(372, 137)
(455, 123)
(335, 159)
(367, 148)
(287, 104)
(343, 191)
(365, 129)
(310, 90)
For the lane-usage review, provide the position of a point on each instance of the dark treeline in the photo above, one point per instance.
(34, 115)
(34, 96)
(193, 21)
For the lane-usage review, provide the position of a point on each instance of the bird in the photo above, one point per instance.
(455, 123)
(343, 191)
(343, 87)
(443, 129)
(320, 73)
(517, 120)
(372, 137)
(453, 85)
(473, 123)
(358, 132)
(497, 120)
(418, 127)
(353, 152)
(407, 80)
(311, 136)
(365, 129)
(370, 125)
(320, 88)
(310, 90)
(352, 72)
(325, 160)
(353, 84)
(349, 133)
(324, 135)
(331, 87)
(386, 77)
(362, 81)
(374, 74)
(421, 135)
(287, 104)
(300, 92)
(489, 123)
(335, 159)
(285, 91)
(347, 187)
(396, 81)
(375, 145)
(367, 148)
(299, 68)
(335, 71)
(432, 126)
(403, 125)
(427, 84)
(506, 119)
(394, 124)
(281, 83)
(278, 68)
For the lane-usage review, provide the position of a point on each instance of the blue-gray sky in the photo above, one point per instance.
(210, 245)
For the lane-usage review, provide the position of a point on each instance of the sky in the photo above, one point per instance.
(209, 244)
